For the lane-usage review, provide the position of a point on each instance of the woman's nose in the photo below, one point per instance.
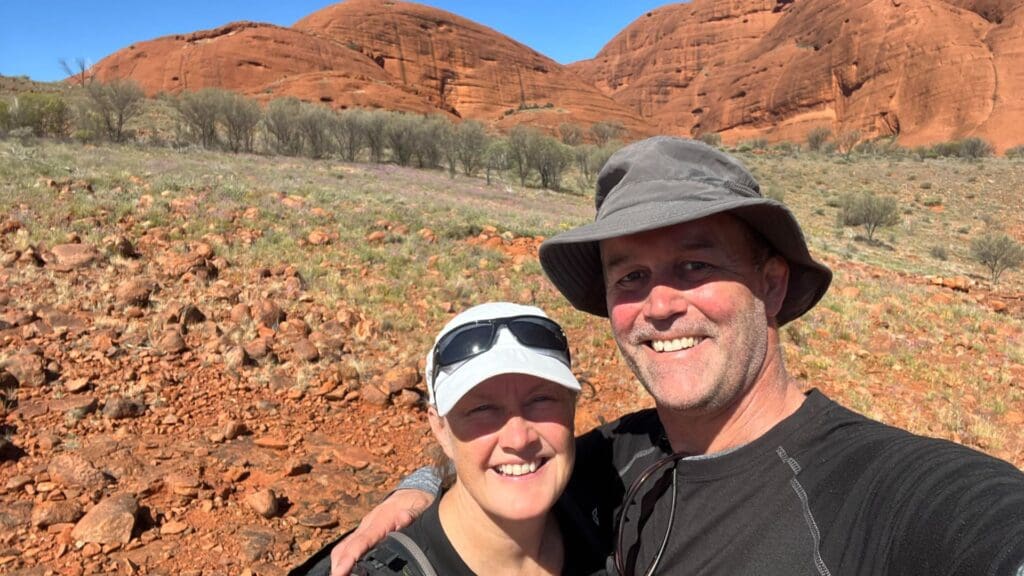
(517, 433)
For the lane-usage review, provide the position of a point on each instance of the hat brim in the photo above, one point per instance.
(496, 362)
(572, 259)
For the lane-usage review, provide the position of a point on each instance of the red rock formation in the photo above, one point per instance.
(465, 68)
(925, 70)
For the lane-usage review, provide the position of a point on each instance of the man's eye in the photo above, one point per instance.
(695, 268)
(631, 278)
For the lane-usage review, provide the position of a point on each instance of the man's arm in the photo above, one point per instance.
(413, 495)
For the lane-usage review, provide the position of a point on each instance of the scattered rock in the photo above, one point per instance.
(401, 378)
(272, 442)
(171, 342)
(263, 502)
(60, 512)
(74, 471)
(120, 408)
(318, 520)
(408, 399)
(109, 522)
(28, 369)
(268, 313)
(71, 256)
(373, 395)
(173, 527)
(135, 292)
(77, 385)
(305, 350)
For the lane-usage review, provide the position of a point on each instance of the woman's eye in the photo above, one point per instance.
(481, 409)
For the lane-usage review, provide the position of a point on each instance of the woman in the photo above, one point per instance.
(502, 403)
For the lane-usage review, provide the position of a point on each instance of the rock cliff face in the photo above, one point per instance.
(925, 70)
(263, 61)
(376, 54)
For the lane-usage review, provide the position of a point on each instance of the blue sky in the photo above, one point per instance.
(36, 34)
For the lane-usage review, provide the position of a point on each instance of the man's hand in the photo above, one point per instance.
(395, 512)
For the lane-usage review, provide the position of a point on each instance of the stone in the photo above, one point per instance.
(57, 512)
(268, 313)
(272, 442)
(111, 521)
(72, 470)
(28, 369)
(135, 292)
(373, 395)
(73, 256)
(171, 342)
(173, 527)
(318, 520)
(263, 502)
(401, 378)
(305, 350)
(120, 408)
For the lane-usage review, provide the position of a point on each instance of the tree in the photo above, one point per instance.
(870, 211)
(496, 157)
(313, 123)
(430, 135)
(79, 71)
(846, 141)
(112, 104)
(200, 111)
(997, 252)
(817, 137)
(240, 117)
(400, 133)
(571, 134)
(470, 143)
(550, 158)
(520, 141)
(375, 128)
(605, 132)
(282, 122)
(347, 130)
(975, 148)
(45, 114)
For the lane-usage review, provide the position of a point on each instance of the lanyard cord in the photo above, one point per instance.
(620, 552)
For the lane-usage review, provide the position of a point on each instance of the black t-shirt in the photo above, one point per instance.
(582, 554)
(825, 492)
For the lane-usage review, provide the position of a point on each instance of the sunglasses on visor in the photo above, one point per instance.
(475, 338)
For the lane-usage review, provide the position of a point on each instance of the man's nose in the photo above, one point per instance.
(517, 433)
(665, 301)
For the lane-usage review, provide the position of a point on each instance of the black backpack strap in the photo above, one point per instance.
(416, 554)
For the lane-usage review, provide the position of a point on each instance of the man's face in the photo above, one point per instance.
(690, 307)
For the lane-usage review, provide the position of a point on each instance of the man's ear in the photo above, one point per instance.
(775, 280)
(441, 431)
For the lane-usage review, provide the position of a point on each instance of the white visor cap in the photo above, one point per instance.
(507, 356)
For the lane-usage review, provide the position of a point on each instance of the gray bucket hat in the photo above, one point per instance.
(664, 181)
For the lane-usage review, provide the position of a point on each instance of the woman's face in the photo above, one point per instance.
(511, 439)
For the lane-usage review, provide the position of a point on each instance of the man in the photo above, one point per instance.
(736, 471)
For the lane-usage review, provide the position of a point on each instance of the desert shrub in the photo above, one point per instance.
(314, 125)
(589, 159)
(520, 142)
(282, 122)
(470, 143)
(347, 130)
(448, 147)
(571, 134)
(870, 211)
(375, 130)
(975, 148)
(43, 114)
(400, 133)
(786, 148)
(711, 139)
(1015, 152)
(550, 158)
(817, 137)
(199, 111)
(604, 132)
(5, 117)
(429, 136)
(240, 117)
(846, 141)
(110, 105)
(997, 252)
(753, 144)
(939, 253)
(496, 157)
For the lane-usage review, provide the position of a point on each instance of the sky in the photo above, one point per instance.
(36, 35)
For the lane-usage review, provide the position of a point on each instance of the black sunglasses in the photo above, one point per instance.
(475, 338)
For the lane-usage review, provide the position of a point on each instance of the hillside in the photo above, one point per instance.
(226, 349)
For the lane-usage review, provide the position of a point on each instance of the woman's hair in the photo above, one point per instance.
(443, 466)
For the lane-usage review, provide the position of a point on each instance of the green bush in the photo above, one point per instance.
(200, 111)
(1016, 152)
(375, 129)
(470, 145)
(400, 134)
(240, 117)
(571, 134)
(870, 211)
(43, 114)
(711, 139)
(605, 132)
(113, 104)
(431, 134)
(314, 124)
(282, 122)
(5, 117)
(975, 148)
(347, 128)
(939, 253)
(997, 252)
(817, 137)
